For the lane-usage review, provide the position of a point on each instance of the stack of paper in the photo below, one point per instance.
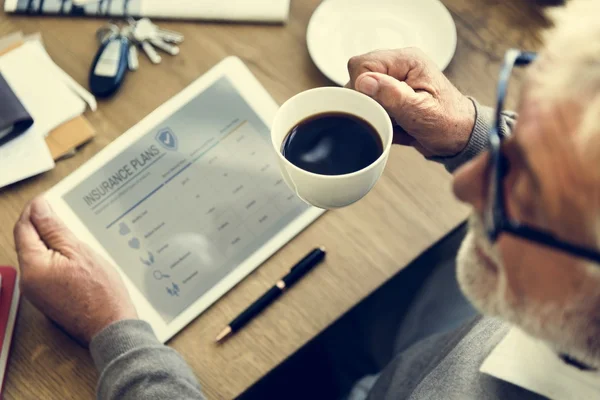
(51, 98)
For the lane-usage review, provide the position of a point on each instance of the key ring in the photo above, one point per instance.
(107, 32)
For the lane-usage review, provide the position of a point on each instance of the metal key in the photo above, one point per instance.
(133, 61)
(150, 52)
(146, 30)
(142, 32)
(164, 46)
(170, 36)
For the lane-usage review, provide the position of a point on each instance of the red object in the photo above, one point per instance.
(9, 304)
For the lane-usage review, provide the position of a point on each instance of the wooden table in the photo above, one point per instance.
(410, 208)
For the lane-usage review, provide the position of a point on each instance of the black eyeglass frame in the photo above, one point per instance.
(495, 219)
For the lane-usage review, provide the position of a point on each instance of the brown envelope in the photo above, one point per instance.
(65, 139)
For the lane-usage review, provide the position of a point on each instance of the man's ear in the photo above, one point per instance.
(588, 145)
(588, 133)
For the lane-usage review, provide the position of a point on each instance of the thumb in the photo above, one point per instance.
(391, 93)
(52, 231)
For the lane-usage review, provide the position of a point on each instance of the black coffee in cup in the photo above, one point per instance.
(333, 143)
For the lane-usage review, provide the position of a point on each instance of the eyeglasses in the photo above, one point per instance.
(494, 216)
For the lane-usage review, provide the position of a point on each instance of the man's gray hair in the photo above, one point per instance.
(575, 38)
(575, 41)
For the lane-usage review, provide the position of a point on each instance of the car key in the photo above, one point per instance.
(110, 66)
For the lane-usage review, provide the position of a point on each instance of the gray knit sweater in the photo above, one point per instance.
(133, 364)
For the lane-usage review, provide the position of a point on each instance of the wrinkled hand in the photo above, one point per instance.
(64, 278)
(433, 115)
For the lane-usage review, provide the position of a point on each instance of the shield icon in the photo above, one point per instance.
(167, 139)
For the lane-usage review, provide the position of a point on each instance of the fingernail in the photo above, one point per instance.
(41, 208)
(369, 86)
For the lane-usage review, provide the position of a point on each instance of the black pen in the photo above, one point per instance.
(296, 273)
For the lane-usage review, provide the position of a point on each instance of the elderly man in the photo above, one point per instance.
(531, 256)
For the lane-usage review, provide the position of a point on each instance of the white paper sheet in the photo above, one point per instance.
(62, 75)
(34, 80)
(48, 98)
(23, 157)
(530, 364)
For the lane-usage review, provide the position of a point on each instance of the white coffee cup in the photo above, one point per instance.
(331, 191)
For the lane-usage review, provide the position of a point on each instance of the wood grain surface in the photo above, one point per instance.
(410, 208)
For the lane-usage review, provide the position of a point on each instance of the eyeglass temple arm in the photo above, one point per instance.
(526, 57)
(547, 239)
(513, 58)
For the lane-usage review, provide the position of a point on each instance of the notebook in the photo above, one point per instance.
(9, 304)
(269, 11)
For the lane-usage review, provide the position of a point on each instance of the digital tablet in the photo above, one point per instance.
(190, 200)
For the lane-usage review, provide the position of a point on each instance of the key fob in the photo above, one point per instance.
(109, 67)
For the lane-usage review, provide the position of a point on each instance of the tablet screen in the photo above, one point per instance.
(190, 200)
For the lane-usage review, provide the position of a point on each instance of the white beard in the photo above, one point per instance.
(479, 283)
(573, 329)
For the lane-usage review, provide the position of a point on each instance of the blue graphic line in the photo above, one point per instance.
(127, 183)
(180, 171)
(171, 178)
(205, 151)
(135, 205)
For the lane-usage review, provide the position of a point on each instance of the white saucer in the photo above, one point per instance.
(340, 29)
